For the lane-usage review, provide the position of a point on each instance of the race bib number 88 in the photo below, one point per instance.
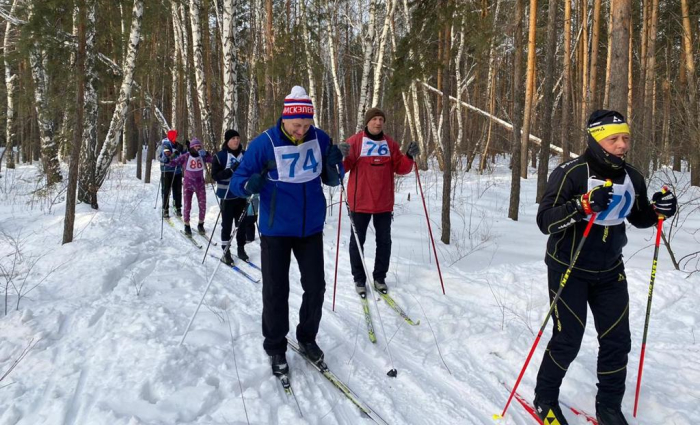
(298, 164)
(374, 147)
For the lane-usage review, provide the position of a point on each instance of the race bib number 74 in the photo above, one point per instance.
(298, 164)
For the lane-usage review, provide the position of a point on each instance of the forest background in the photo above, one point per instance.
(89, 81)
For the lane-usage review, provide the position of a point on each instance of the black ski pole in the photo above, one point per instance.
(659, 227)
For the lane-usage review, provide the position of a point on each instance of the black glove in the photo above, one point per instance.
(413, 150)
(344, 148)
(333, 156)
(665, 203)
(596, 199)
(255, 184)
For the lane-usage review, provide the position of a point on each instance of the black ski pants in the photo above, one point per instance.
(231, 210)
(169, 183)
(608, 299)
(382, 228)
(276, 256)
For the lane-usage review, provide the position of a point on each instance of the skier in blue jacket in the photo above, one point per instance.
(286, 165)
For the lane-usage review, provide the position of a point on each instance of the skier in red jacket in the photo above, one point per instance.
(372, 158)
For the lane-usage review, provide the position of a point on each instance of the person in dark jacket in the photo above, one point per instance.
(373, 158)
(575, 190)
(286, 165)
(171, 175)
(223, 166)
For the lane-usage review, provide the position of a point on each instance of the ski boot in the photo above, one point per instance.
(609, 415)
(549, 412)
(188, 230)
(380, 286)
(279, 364)
(312, 351)
(166, 214)
(242, 254)
(200, 229)
(361, 288)
(178, 212)
(227, 259)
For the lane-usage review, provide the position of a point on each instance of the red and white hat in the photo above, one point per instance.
(297, 104)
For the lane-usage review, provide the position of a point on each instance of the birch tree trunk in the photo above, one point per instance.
(253, 115)
(117, 123)
(336, 83)
(87, 187)
(49, 147)
(490, 88)
(230, 68)
(366, 64)
(185, 50)
(175, 68)
(529, 87)
(622, 12)
(548, 99)
(10, 79)
(378, 67)
(204, 112)
(307, 53)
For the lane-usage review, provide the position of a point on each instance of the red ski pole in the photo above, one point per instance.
(430, 230)
(564, 279)
(659, 226)
(337, 244)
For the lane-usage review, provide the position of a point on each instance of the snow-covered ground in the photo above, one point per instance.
(100, 319)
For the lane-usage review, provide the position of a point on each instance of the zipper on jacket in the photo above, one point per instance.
(303, 220)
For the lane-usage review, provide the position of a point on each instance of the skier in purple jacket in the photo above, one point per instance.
(193, 163)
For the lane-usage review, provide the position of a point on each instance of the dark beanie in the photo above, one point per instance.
(373, 112)
(229, 134)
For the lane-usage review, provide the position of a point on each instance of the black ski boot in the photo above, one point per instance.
(242, 254)
(549, 412)
(312, 351)
(361, 288)
(279, 364)
(188, 230)
(200, 229)
(178, 212)
(609, 415)
(227, 259)
(380, 285)
(166, 214)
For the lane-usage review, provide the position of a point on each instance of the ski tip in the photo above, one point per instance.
(497, 417)
(392, 373)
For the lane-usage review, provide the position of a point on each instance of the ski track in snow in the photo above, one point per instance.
(107, 320)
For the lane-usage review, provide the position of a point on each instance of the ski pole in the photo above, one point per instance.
(212, 232)
(564, 279)
(430, 230)
(392, 372)
(211, 278)
(234, 231)
(337, 246)
(157, 193)
(659, 227)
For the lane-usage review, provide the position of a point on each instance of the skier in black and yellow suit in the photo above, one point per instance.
(574, 191)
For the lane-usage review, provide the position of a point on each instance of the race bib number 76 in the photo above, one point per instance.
(374, 147)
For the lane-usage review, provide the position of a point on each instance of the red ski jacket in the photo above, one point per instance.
(372, 164)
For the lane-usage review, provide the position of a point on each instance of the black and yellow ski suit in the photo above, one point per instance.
(598, 278)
